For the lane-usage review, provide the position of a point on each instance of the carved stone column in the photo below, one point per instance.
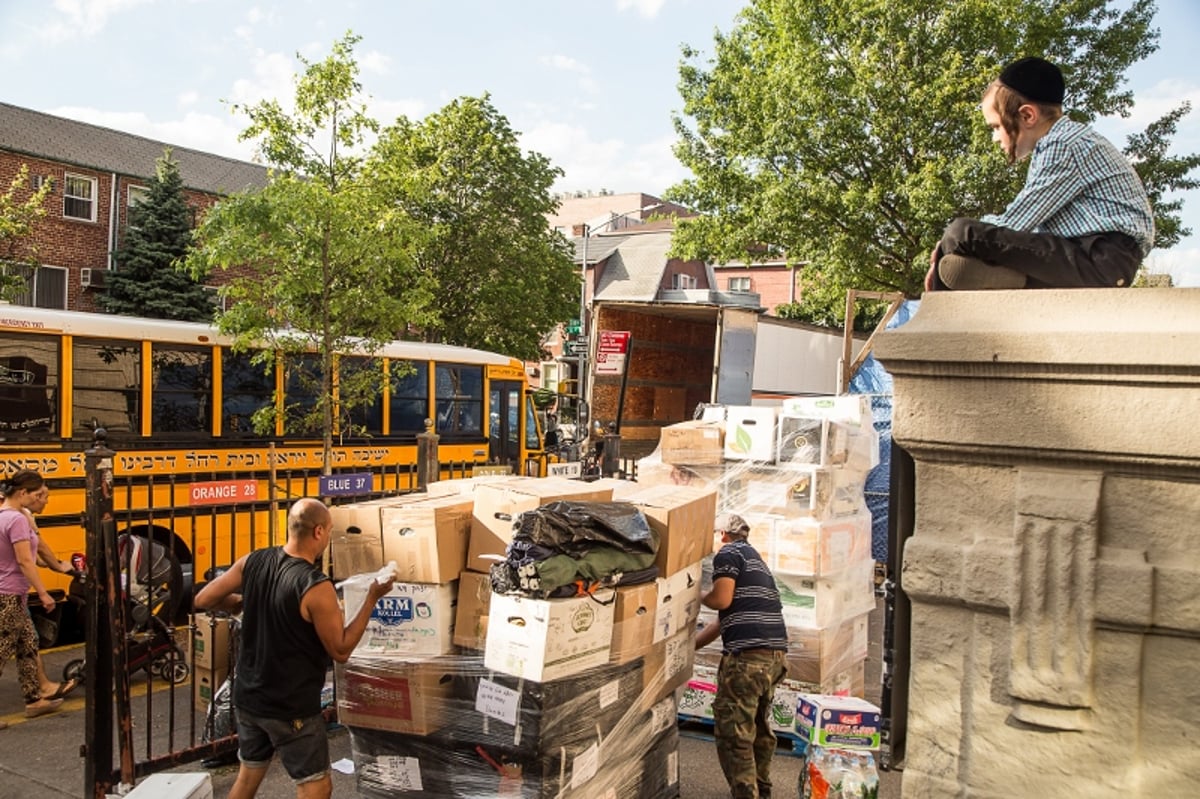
(1055, 562)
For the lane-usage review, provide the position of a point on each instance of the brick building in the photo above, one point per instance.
(97, 174)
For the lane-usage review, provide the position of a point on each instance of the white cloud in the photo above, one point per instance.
(644, 8)
(1181, 263)
(375, 62)
(188, 98)
(272, 78)
(204, 132)
(564, 63)
(604, 164)
(84, 17)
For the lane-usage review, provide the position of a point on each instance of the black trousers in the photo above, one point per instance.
(1049, 261)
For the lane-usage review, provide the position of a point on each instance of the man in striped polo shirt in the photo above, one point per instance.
(754, 640)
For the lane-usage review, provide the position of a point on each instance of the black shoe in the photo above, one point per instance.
(764, 791)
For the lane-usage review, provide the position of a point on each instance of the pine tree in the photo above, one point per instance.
(146, 281)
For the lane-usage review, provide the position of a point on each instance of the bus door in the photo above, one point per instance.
(505, 401)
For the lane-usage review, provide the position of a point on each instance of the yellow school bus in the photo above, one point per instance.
(190, 471)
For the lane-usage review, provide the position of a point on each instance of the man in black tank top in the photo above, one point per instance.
(292, 627)
(754, 660)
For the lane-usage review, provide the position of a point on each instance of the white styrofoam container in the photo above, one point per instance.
(190, 785)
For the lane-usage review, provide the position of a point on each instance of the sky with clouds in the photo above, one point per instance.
(591, 84)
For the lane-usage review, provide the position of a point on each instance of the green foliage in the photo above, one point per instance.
(846, 133)
(1162, 174)
(17, 252)
(823, 302)
(499, 277)
(148, 280)
(321, 260)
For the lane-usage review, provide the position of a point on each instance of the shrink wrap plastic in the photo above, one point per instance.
(604, 732)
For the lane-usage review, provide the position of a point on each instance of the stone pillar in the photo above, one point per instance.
(1054, 569)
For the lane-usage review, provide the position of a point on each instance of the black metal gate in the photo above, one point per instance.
(143, 713)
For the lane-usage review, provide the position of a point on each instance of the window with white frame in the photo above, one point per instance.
(138, 195)
(79, 197)
(45, 286)
(681, 281)
(739, 284)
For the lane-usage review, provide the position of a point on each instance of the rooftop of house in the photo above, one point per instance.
(39, 135)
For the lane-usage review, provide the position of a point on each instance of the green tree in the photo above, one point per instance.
(846, 133)
(322, 262)
(500, 277)
(18, 255)
(148, 280)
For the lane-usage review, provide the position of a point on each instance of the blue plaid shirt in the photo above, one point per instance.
(1079, 184)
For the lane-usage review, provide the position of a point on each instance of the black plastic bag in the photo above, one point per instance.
(574, 528)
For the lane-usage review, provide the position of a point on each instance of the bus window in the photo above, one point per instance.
(182, 389)
(302, 386)
(245, 388)
(106, 375)
(354, 376)
(532, 441)
(459, 401)
(409, 405)
(28, 386)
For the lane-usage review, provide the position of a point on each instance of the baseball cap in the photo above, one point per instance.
(732, 524)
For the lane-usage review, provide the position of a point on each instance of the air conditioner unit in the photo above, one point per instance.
(92, 278)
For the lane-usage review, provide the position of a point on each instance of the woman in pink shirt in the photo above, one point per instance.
(19, 574)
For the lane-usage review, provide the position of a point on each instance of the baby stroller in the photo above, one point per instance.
(149, 645)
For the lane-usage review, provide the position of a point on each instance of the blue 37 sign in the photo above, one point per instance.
(341, 485)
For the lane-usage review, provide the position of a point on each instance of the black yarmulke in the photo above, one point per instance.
(1036, 79)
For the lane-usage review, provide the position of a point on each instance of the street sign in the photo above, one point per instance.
(222, 492)
(574, 327)
(610, 352)
(577, 347)
(569, 469)
(344, 485)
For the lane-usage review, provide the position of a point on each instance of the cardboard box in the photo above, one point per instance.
(683, 518)
(822, 601)
(816, 654)
(839, 722)
(210, 641)
(206, 682)
(496, 709)
(498, 504)
(692, 443)
(471, 615)
(355, 544)
(696, 701)
(668, 666)
(749, 433)
(547, 639)
(678, 602)
(414, 619)
(427, 537)
(651, 471)
(809, 546)
(848, 409)
(412, 697)
(633, 621)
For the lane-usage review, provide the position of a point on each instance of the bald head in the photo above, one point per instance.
(305, 515)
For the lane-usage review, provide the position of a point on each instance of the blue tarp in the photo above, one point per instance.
(873, 379)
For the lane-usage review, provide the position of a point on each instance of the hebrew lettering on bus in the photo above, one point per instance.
(244, 460)
(45, 466)
(376, 455)
(202, 460)
(147, 463)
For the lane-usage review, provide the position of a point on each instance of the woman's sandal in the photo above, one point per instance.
(32, 711)
(64, 688)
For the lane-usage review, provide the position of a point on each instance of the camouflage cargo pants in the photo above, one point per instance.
(742, 715)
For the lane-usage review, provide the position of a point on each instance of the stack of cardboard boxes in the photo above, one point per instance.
(456, 691)
(796, 474)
